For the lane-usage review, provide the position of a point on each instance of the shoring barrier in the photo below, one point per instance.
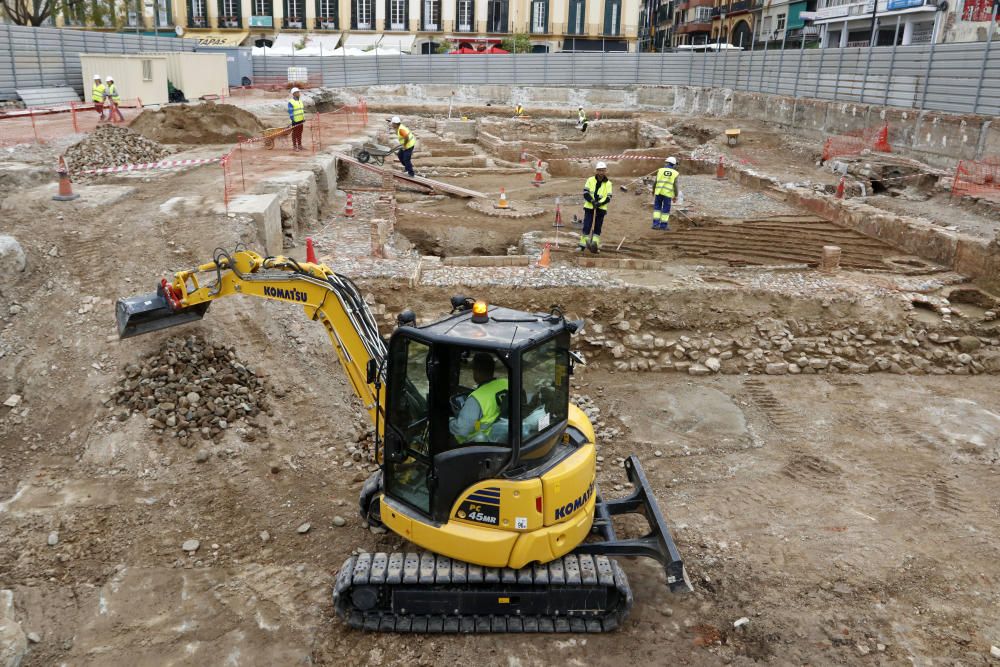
(977, 179)
(40, 125)
(853, 143)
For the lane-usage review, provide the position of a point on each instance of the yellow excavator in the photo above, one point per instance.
(483, 460)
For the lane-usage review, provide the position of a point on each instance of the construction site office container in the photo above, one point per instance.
(136, 76)
(238, 60)
(198, 74)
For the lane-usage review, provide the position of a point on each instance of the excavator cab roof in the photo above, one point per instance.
(503, 330)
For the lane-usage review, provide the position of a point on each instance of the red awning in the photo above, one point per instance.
(491, 50)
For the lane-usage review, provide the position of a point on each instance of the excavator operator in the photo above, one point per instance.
(477, 418)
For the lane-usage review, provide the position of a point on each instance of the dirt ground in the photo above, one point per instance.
(849, 518)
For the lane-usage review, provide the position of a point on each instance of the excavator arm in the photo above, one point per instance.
(323, 294)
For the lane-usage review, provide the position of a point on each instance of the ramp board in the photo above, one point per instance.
(430, 184)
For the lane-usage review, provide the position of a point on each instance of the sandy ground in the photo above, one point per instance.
(850, 519)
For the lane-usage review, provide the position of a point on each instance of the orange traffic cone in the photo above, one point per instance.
(558, 222)
(65, 185)
(310, 251)
(503, 200)
(720, 170)
(538, 174)
(349, 209)
(546, 259)
(840, 188)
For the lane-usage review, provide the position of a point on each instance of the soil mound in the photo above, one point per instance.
(113, 146)
(207, 123)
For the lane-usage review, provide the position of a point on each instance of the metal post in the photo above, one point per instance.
(690, 67)
(798, 68)
(663, 56)
(763, 64)
(715, 60)
(930, 61)
(739, 61)
(38, 58)
(781, 59)
(986, 57)
(725, 64)
(343, 64)
(892, 62)
(819, 70)
(753, 47)
(868, 64)
(836, 80)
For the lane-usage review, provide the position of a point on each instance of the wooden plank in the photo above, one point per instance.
(428, 183)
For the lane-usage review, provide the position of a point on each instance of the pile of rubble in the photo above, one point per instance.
(779, 348)
(190, 389)
(113, 146)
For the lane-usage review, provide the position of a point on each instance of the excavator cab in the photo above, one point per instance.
(468, 401)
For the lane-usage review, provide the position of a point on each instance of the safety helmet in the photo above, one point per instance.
(601, 165)
(671, 160)
(97, 77)
(395, 120)
(295, 90)
(110, 78)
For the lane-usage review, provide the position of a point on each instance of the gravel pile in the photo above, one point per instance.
(113, 146)
(190, 389)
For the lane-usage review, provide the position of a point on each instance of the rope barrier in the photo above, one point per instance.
(164, 164)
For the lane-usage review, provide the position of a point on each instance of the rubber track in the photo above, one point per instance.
(438, 572)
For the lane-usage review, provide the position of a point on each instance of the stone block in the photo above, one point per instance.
(949, 136)
(265, 211)
(324, 168)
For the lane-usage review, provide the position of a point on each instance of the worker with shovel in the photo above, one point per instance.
(664, 192)
(596, 194)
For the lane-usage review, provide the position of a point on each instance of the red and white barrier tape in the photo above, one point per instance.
(165, 164)
(607, 157)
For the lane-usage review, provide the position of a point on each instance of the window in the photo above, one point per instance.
(612, 17)
(496, 15)
(409, 416)
(147, 70)
(396, 13)
(295, 14)
(229, 13)
(545, 387)
(197, 16)
(465, 15)
(326, 14)
(780, 23)
(539, 16)
(703, 14)
(363, 14)
(262, 7)
(163, 13)
(432, 15)
(577, 13)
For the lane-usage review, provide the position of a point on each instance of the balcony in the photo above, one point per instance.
(693, 26)
(865, 8)
(197, 21)
(293, 22)
(326, 22)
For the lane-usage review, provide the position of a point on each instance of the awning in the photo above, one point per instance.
(218, 38)
(400, 42)
(364, 41)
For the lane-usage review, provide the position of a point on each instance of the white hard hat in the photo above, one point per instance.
(601, 165)
(395, 119)
(97, 77)
(110, 78)
(295, 90)
(671, 160)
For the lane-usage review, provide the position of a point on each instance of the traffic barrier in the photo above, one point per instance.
(977, 179)
(840, 188)
(502, 203)
(310, 251)
(65, 186)
(854, 143)
(349, 207)
(720, 169)
(539, 180)
(163, 164)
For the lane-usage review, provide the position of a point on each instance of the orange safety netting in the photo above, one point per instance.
(854, 143)
(978, 179)
(39, 125)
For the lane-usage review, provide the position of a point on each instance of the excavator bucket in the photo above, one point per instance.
(142, 314)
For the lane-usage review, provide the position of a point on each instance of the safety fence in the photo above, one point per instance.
(330, 127)
(856, 142)
(978, 178)
(39, 125)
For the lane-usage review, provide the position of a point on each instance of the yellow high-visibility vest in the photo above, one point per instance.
(665, 178)
(405, 137)
(298, 110)
(97, 94)
(597, 193)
